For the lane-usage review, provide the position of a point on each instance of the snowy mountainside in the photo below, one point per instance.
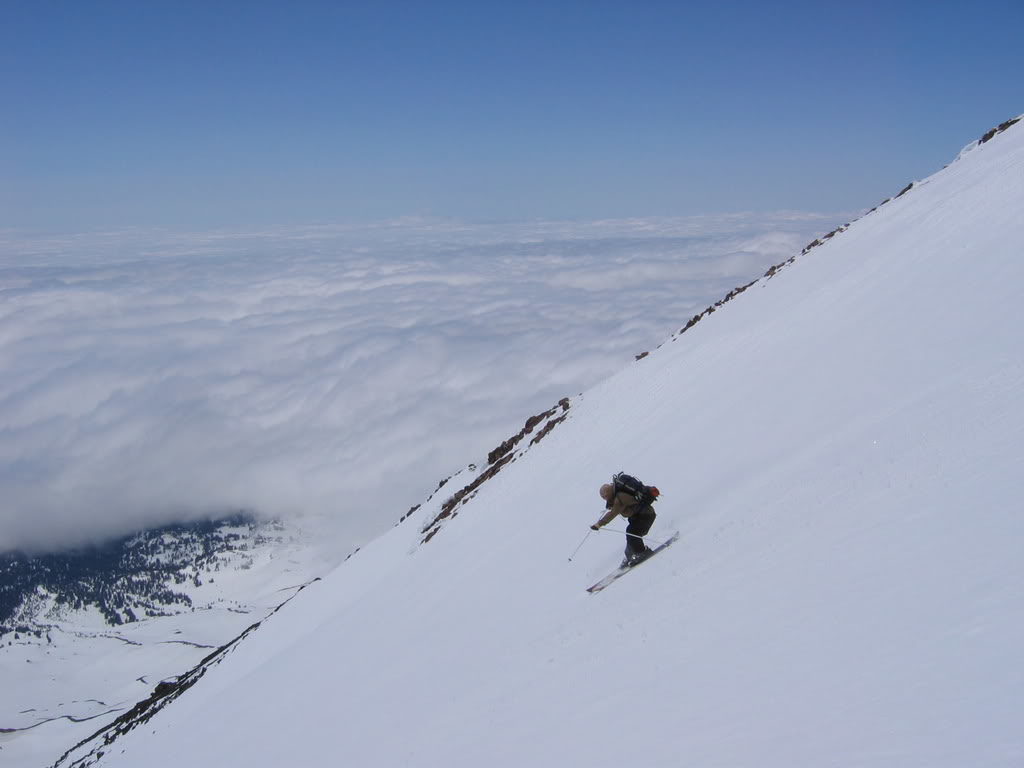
(85, 633)
(839, 445)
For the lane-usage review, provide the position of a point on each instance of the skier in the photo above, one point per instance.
(628, 497)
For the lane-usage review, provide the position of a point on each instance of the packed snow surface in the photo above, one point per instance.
(840, 447)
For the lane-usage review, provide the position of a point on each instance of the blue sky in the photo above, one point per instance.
(215, 114)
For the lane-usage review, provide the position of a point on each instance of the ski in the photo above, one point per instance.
(618, 573)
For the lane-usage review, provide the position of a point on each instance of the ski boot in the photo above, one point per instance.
(635, 558)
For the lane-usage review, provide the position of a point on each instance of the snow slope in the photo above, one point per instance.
(840, 446)
(67, 671)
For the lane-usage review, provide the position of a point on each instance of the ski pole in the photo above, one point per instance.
(581, 544)
(616, 530)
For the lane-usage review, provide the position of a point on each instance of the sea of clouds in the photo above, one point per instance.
(328, 375)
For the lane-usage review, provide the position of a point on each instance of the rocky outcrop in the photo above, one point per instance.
(501, 456)
(989, 135)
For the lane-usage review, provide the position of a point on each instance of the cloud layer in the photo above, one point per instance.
(330, 375)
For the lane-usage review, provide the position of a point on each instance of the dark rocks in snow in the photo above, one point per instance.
(164, 688)
(547, 429)
(408, 514)
(710, 310)
(507, 446)
(906, 189)
(989, 135)
(501, 456)
(813, 244)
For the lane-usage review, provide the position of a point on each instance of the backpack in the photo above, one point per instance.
(644, 494)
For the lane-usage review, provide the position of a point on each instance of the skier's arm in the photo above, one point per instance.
(613, 511)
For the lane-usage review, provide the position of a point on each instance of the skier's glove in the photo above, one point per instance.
(595, 527)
